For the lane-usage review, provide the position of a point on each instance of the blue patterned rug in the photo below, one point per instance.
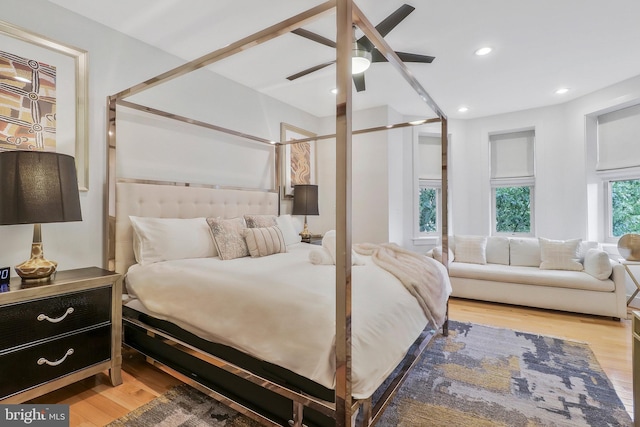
(478, 376)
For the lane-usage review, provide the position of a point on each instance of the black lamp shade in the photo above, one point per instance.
(38, 187)
(305, 200)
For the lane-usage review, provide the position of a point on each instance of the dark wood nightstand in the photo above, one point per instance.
(314, 239)
(58, 332)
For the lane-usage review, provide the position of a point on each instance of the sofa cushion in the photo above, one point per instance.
(597, 264)
(530, 276)
(471, 249)
(498, 250)
(524, 251)
(559, 254)
(437, 254)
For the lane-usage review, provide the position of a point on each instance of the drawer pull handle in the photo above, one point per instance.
(42, 360)
(42, 317)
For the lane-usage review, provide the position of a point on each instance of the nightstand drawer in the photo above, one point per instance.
(20, 324)
(31, 366)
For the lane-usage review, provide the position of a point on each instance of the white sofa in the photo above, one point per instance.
(536, 273)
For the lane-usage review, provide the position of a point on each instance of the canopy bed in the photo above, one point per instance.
(287, 385)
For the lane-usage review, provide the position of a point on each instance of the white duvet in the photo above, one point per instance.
(281, 309)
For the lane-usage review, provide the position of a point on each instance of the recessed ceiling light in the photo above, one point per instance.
(483, 51)
(562, 91)
(463, 109)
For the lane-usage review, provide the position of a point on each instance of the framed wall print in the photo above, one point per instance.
(299, 159)
(43, 96)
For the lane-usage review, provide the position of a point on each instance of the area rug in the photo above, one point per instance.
(478, 376)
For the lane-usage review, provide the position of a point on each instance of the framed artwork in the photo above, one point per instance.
(299, 159)
(43, 97)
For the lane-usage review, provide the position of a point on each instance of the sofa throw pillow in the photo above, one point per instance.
(559, 254)
(583, 247)
(524, 252)
(471, 249)
(437, 254)
(498, 250)
(260, 221)
(264, 241)
(597, 264)
(228, 235)
(165, 239)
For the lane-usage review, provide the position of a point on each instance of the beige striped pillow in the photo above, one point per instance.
(264, 241)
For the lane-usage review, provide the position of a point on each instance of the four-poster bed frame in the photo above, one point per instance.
(344, 406)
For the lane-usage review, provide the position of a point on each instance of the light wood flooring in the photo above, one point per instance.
(93, 402)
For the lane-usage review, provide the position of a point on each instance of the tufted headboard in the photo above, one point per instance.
(176, 201)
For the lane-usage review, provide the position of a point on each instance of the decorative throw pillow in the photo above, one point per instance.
(264, 241)
(559, 254)
(228, 235)
(437, 254)
(524, 252)
(583, 247)
(597, 264)
(165, 239)
(260, 221)
(498, 250)
(471, 249)
(285, 223)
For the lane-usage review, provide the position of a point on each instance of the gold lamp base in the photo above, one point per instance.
(305, 233)
(36, 268)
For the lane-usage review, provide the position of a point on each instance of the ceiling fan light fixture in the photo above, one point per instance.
(360, 60)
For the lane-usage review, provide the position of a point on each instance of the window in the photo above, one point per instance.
(429, 160)
(625, 207)
(512, 182)
(618, 164)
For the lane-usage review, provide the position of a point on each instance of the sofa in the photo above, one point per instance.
(566, 275)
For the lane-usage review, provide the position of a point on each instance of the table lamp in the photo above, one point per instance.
(305, 202)
(37, 187)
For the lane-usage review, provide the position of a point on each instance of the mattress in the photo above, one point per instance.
(281, 309)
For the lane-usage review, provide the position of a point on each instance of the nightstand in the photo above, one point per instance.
(314, 239)
(636, 365)
(58, 332)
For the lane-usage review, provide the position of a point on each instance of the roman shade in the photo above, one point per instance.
(619, 139)
(512, 155)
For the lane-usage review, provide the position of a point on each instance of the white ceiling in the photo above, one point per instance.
(538, 47)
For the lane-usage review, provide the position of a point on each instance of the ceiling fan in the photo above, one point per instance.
(364, 52)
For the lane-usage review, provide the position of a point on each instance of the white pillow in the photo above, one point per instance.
(498, 250)
(228, 236)
(597, 264)
(524, 252)
(584, 246)
(559, 254)
(285, 223)
(165, 239)
(437, 254)
(471, 249)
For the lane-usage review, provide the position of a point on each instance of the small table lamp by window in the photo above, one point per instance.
(305, 202)
(37, 187)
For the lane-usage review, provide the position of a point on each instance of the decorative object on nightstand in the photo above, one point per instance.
(305, 202)
(38, 187)
(629, 247)
(58, 332)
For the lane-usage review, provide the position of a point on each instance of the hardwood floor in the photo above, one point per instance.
(93, 402)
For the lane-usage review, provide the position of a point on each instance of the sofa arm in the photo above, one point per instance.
(619, 277)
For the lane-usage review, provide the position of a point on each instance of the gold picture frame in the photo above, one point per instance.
(73, 113)
(299, 159)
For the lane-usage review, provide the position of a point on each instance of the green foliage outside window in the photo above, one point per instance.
(625, 207)
(428, 218)
(513, 210)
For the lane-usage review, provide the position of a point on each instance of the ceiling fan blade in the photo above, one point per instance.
(388, 24)
(358, 80)
(394, 19)
(310, 70)
(376, 56)
(315, 37)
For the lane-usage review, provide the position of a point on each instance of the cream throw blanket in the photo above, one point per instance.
(418, 273)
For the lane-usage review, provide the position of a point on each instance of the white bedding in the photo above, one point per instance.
(281, 309)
